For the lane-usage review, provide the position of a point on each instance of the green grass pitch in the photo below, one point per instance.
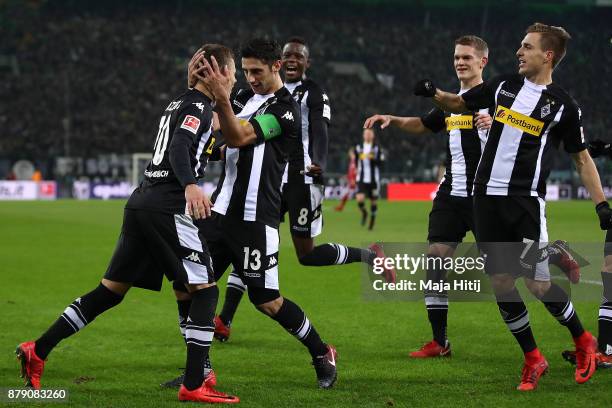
(52, 252)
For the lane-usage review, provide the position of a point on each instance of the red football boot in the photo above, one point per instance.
(206, 394)
(532, 371)
(432, 349)
(389, 273)
(32, 366)
(586, 360)
(565, 261)
(222, 332)
(603, 360)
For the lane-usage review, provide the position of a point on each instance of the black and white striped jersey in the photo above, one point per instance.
(249, 188)
(180, 154)
(316, 117)
(529, 121)
(463, 148)
(369, 157)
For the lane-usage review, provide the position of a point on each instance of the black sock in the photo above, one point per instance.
(335, 254)
(605, 315)
(437, 304)
(514, 313)
(364, 213)
(373, 211)
(199, 333)
(294, 320)
(233, 295)
(76, 316)
(558, 304)
(183, 312)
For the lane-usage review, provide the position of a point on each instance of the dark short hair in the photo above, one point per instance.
(298, 40)
(475, 42)
(222, 54)
(263, 49)
(553, 38)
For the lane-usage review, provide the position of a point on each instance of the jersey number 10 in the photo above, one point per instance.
(163, 134)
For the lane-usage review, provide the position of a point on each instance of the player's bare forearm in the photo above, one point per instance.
(410, 124)
(449, 102)
(235, 133)
(589, 175)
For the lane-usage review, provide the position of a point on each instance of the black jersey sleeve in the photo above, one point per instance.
(319, 118)
(191, 122)
(434, 120)
(569, 128)
(483, 95)
(279, 119)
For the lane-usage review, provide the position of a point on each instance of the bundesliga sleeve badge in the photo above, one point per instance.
(191, 123)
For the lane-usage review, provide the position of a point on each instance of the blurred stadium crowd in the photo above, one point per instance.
(81, 79)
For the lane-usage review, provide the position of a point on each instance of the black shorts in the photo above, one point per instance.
(451, 217)
(153, 244)
(303, 203)
(608, 244)
(250, 246)
(504, 227)
(370, 190)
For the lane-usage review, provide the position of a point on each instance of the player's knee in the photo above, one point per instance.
(180, 291)
(438, 249)
(607, 266)
(537, 288)
(267, 301)
(118, 288)
(502, 283)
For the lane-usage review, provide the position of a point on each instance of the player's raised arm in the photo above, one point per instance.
(220, 82)
(447, 101)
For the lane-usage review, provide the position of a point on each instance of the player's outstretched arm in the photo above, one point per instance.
(410, 124)
(590, 178)
(448, 102)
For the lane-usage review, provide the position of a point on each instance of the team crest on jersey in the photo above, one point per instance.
(545, 111)
(191, 123)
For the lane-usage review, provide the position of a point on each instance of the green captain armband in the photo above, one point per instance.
(269, 125)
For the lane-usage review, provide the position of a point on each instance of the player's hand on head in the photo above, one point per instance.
(218, 80)
(195, 68)
(198, 204)
(384, 120)
(425, 87)
(605, 215)
(483, 121)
